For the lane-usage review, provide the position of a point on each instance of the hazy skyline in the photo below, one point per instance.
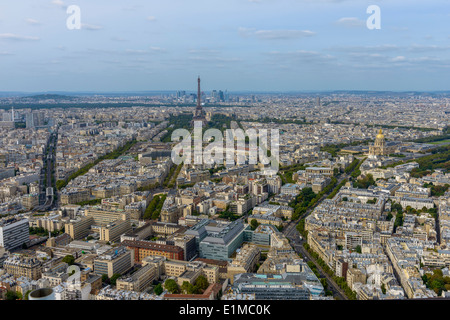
(239, 45)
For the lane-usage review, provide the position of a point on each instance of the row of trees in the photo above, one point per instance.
(398, 211)
(302, 202)
(182, 120)
(90, 202)
(39, 231)
(337, 188)
(444, 136)
(153, 210)
(340, 281)
(352, 166)
(110, 156)
(355, 172)
(172, 179)
(322, 280)
(439, 158)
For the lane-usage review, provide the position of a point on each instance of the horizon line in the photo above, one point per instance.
(210, 90)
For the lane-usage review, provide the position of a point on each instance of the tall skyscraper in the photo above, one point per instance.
(199, 114)
(29, 120)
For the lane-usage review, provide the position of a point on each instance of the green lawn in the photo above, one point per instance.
(440, 142)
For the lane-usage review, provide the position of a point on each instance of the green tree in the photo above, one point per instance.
(11, 295)
(27, 294)
(114, 278)
(254, 224)
(158, 289)
(188, 288)
(202, 283)
(171, 286)
(105, 279)
(69, 259)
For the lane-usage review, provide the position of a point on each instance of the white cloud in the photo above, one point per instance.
(90, 27)
(351, 22)
(133, 51)
(11, 36)
(275, 34)
(398, 59)
(33, 22)
(59, 3)
(157, 49)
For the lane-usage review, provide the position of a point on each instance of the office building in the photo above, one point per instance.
(14, 232)
(143, 249)
(116, 260)
(218, 240)
(139, 281)
(79, 228)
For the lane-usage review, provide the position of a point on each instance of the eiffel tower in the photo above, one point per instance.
(199, 114)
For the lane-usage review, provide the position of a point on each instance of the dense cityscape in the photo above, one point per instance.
(210, 159)
(93, 207)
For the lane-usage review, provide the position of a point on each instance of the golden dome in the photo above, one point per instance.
(380, 135)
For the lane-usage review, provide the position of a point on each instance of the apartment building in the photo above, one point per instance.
(112, 231)
(14, 232)
(144, 249)
(245, 261)
(23, 266)
(116, 260)
(79, 228)
(139, 281)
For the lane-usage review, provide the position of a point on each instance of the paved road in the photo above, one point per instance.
(46, 203)
(291, 232)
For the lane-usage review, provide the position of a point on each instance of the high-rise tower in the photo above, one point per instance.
(199, 114)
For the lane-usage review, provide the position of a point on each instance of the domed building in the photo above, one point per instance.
(379, 147)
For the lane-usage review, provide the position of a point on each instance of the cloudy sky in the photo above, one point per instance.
(256, 45)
